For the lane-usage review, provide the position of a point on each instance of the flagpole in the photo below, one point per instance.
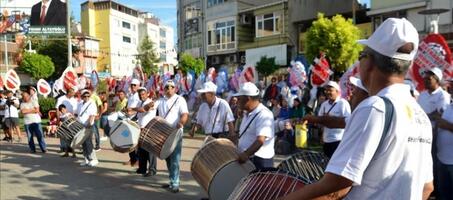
(68, 29)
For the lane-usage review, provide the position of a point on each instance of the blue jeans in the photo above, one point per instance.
(105, 125)
(173, 165)
(35, 130)
(96, 134)
(444, 181)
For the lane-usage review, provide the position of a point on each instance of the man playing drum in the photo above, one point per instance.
(145, 112)
(173, 108)
(256, 133)
(214, 115)
(70, 104)
(132, 101)
(86, 114)
(386, 149)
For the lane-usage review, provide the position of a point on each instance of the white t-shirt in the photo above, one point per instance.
(70, 103)
(133, 100)
(31, 117)
(85, 110)
(445, 139)
(164, 104)
(206, 115)
(403, 162)
(145, 117)
(262, 125)
(339, 108)
(11, 111)
(437, 101)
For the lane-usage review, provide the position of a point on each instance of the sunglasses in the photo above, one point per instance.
(363, 54)
(168, 87)
(85, 96)
(133, 85)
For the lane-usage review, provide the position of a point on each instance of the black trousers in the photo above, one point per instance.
(262, 163)
(133, 157)
(330, 147)
(143, 158)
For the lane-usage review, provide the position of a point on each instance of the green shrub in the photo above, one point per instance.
(46, 104)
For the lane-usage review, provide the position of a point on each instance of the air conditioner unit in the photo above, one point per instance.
(246, 19)
(216, 60)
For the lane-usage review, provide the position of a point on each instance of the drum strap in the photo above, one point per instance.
(217, 113)
(247, 127)
(86, 108)
(166, 114)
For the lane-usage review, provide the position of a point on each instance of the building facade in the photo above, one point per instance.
(191, 27)
(383, 9)
(85, 59)
(116, 26)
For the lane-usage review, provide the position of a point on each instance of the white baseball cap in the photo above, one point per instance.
(358, 83)
(333, 84)
(208, 87)
(392, 34)
(437, 72)
(85, 91)
(248, 89)
(135, 82)
(170, 83)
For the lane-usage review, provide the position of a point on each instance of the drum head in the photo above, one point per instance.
(170, 144)
(79, 138)
(124, 135)
(226, 179)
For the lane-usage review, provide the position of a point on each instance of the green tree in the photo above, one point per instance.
(37, 65)
(266, 66)
(187, 63)
(337, 38)
(57, 50)
(148, 56)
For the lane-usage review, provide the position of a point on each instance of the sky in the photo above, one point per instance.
(164, 9)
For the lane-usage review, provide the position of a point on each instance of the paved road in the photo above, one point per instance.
(48, 176)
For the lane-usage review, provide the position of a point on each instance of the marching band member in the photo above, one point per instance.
(256, 133)
(145, 113)
(214, 115)
(70, 103)
(385, 151)
(86, 114)
(173, 108)
(132, 101)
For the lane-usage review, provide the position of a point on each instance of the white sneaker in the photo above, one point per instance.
(93, 163)
(84, 163)
(104, 139)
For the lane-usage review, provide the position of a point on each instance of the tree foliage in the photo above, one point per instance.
(266, 66)
(187, 63)
(57, 50)
(337, 38)
(148, 56)
(37, 65)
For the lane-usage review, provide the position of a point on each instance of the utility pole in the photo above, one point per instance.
(6, 52)
(68, 29)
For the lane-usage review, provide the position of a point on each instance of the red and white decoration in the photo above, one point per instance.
(249, 74)
(43, 87)
(433, 51)
(70, 79)
(320, 71)
(12, 80)
(345, 85)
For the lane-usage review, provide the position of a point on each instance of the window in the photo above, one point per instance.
(192, 10)
(193, 41)
(221, 35)
(163, 45)
(126, 39)
(215, 2)
(268, 24)
(126, 25)
(162, 33)
(163, 57)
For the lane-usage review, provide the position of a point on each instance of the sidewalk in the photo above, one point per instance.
(47, 176)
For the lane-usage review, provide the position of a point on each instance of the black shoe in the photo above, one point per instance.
(174, 189)
(5, 139)
(44, 151)
(140, 172)
(166, 186)
(32, 151)
(149, 174)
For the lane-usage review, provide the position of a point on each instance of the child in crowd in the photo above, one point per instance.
(63, 117)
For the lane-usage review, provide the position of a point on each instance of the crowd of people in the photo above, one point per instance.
(378, 139)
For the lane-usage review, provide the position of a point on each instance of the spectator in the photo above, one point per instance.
(32, 121)
(271, 91)
(12, 115)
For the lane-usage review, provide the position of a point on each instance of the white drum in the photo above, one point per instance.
(124, 135)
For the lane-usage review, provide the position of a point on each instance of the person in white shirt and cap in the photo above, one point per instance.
(173, 108)
(434, 99)
(214, 115)
(256, 132)
(386, 149)
(132, 100)
(86, 114)
(334, 106)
